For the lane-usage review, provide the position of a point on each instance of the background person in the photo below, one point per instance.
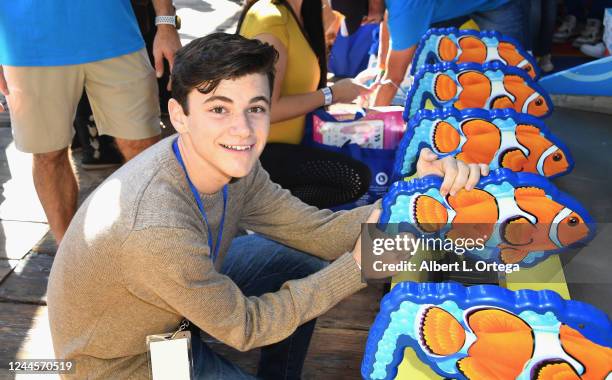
(75, 45)
(295, 29)
(408, 20)
(100, 151)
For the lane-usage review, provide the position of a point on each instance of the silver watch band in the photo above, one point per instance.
(328, 96)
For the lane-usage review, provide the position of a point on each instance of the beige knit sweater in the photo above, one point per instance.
(135, 261)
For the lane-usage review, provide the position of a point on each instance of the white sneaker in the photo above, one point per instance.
(545, 63)
(591, 33)
(566, 30)
(595, 51)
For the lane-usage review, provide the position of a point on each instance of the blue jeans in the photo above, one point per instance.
(543, 18)
(509, 19)
(258, 265)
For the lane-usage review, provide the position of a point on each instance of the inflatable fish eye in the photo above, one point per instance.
(572, 229)
(475, 136)
(510, 211)
(485, 331)
(462, 46)
(537, 107)
(492, 85)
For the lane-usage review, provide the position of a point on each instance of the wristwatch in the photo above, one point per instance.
(169, 20)
(328, 96)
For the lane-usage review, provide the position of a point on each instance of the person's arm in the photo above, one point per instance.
(393, 63)
(405, 23)
(167, 40)
(170, 268)
(289, 106)
(396, 67)
(376, 10)
(274, 212)
(383, 44)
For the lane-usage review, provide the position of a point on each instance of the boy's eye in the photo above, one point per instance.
(257, 109)
(218, 110)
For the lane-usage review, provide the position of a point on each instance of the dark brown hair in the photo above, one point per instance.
(312, 14)
(205, 62)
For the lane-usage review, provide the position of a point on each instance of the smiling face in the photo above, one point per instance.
(225, 130)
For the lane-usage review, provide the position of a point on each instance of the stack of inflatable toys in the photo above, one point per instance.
(474, 97)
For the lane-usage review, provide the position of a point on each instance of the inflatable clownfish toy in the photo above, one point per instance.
(462, 46)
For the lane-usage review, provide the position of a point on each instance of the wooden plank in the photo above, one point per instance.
(46, 245)
(333, 354)
(356, 312)
(25, 333)
(28, 282)
(600, 104)
(17, 238)
(5, 374)
(337, 344)
(6, 267)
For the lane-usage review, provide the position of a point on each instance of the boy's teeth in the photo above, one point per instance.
(238, 147)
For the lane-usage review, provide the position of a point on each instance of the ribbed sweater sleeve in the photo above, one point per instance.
(272, 211)
(170, 268)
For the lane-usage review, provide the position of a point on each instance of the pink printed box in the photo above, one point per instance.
(380, 128)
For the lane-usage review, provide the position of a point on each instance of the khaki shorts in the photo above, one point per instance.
(43, 100)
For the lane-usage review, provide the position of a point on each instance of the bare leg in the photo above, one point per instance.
(130, 148)
(57, 188)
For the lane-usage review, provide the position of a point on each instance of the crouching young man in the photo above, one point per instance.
(155, 242)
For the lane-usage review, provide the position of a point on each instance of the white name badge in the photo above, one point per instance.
(170, 356)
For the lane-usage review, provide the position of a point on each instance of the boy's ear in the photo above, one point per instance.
(177, 115)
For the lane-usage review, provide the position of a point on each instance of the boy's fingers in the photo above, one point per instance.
(428, 155)
(473, 177)
(484, 169)
(450, 172)
(463, 171)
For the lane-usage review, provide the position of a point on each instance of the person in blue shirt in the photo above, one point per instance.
(408, 20)
(49, 52)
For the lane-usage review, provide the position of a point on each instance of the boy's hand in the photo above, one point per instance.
(392, 255)
(457, 174)
(373, 218)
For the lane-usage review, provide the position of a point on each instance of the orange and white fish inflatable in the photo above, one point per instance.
(488, 332)
(505, 347)
(500, 138)
(462, 46)
(521, 217)
(469, 85)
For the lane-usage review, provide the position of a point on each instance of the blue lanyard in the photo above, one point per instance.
(214, 253)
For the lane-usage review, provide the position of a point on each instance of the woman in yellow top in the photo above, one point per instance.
(295, 29)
